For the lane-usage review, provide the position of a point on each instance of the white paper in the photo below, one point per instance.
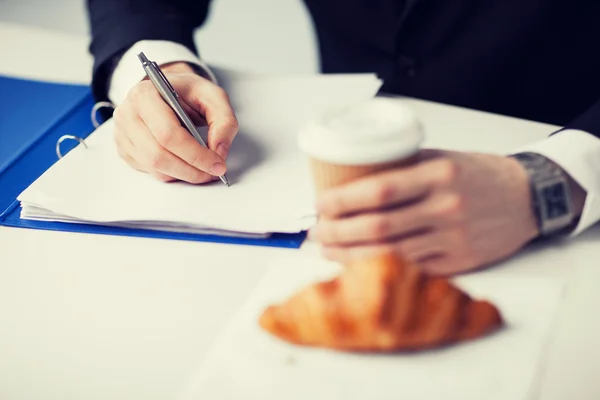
(271, 189)
(248, 363)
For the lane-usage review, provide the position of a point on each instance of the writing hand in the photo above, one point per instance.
(150, 138)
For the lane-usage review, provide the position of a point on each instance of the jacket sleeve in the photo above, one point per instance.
(576, 148)
(117, 24)
(588, 122)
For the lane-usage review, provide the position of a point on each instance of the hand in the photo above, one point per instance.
(150, 138)
(451, 212)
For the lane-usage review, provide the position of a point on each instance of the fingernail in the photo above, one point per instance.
(222, 150)
(312, 234)
(217, 169)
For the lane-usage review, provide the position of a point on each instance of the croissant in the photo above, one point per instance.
(379, 305)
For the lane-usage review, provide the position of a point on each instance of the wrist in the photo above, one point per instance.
(577, 195)
(556, 199)
(519, 175)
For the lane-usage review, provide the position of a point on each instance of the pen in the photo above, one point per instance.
(171, 97)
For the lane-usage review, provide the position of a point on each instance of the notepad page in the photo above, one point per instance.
(249, 363)
(271, 188)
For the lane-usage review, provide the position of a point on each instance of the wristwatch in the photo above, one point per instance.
(550, 193)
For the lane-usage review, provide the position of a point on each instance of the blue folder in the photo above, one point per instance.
(33, 116)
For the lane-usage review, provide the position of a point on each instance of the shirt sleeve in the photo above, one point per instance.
(116, 25)
(578, 153)
(129, 71)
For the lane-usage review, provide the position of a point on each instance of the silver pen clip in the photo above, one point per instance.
(164, 78)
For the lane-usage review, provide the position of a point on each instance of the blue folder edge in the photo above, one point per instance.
(41, 155)
(11, 218)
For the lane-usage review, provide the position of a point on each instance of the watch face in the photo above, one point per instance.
(555, 200)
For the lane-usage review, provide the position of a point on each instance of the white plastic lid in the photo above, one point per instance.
(379, 130)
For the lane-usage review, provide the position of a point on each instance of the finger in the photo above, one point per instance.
(412, 248)
(170, 135)
(212, 102)
(196, 117)
(158, 175)
(436, 210)
(132, 163)
(125, 149)
(125, 154)
(154, 158)
(387, 189)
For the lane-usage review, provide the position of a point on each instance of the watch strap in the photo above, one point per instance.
(550, 196)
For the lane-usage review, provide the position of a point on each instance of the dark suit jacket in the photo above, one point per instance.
(532, 59)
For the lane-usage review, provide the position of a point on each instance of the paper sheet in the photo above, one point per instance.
(248, 363)
(271, 189)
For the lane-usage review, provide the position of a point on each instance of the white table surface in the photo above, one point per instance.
(102, 317)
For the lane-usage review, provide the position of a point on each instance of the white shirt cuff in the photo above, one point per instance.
(578, 153)
(129, 71)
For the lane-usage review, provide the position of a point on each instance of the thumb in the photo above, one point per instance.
(221, 133)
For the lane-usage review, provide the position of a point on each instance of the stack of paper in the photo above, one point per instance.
(271, 189)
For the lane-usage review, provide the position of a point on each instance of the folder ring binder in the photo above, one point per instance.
(65, 137)
(97, 106)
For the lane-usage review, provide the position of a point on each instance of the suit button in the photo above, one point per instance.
(408, 65)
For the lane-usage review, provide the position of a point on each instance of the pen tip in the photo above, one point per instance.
(225, 180)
